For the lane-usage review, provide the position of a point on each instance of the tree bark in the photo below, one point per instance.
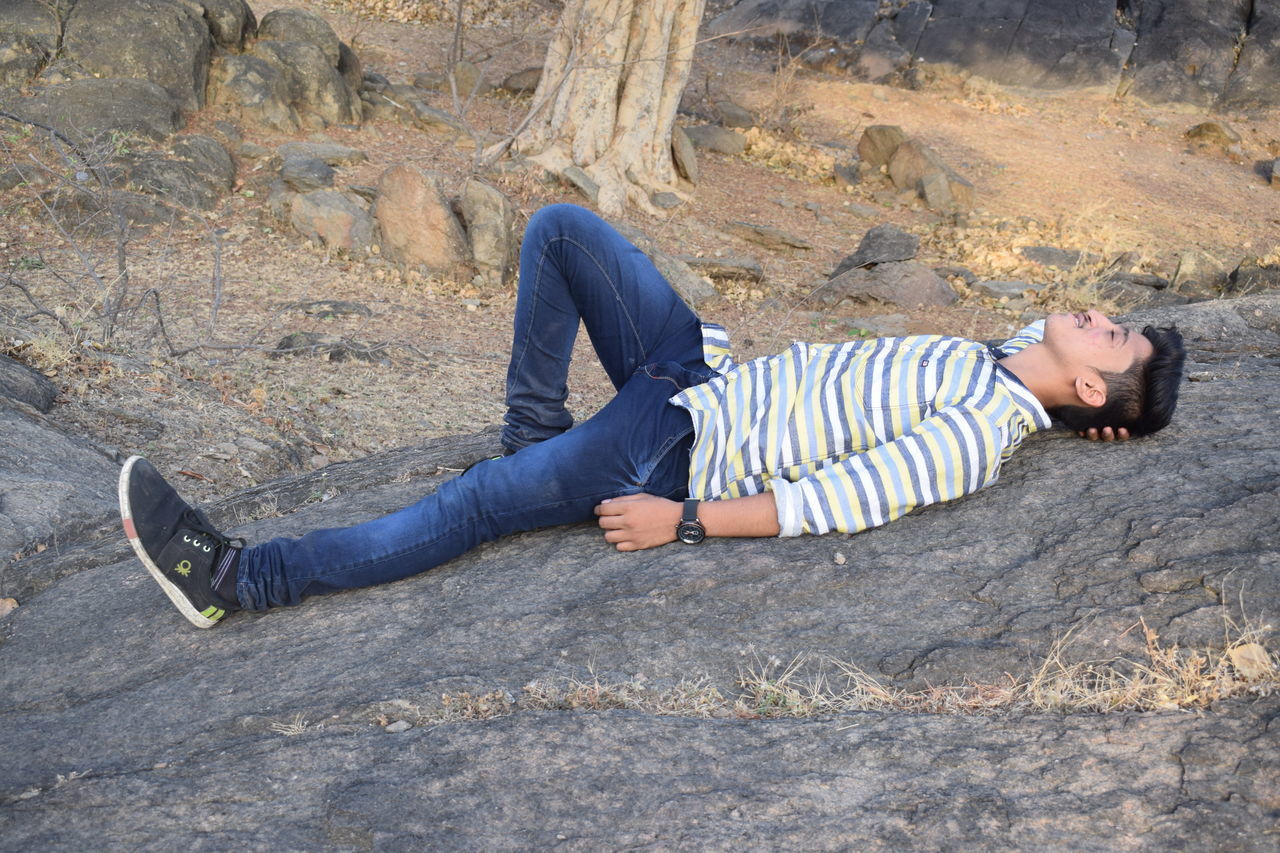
(607, 100)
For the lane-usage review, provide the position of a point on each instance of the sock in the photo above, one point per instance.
(225, 576)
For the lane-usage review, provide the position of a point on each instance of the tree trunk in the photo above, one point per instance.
(607, 100)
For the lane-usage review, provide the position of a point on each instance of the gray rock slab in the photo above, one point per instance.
(880, 245)
(907, 284)
(766, 235)
(90, 107)
(111, 703)
(330, 152)
(53, 486)
(1007, 289)
(714, 138)
(303, 174)
(620, 780)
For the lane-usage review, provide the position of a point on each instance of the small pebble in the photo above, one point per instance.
(399, 726)
(840, 558)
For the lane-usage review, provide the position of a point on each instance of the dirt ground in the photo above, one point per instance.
(1073, 170)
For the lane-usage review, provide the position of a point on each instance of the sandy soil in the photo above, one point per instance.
(1075, 170)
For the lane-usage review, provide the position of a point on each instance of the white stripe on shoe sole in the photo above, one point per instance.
(179, 600)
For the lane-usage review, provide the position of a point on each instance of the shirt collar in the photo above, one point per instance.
(1026, 402)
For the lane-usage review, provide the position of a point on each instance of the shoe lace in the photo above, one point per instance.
(197, 522)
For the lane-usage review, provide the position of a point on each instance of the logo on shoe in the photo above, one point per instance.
(183, 568)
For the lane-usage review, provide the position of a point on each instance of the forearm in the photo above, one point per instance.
(753, 515)
(635, 522)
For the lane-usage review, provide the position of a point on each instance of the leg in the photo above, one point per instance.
(574, 266)
(638, 442)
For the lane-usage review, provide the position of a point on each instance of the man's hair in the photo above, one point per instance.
(1142, 398)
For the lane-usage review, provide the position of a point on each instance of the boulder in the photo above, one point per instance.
(176, 182)
(418, 225)
(1252, 277)
(207, 158)
(163, 41)
(490, 218)
(918, 168)
(523, 82)
(733, 115)
(332, 219)
(91, 108)
(303, 174)
(1198, 274)
(968, 593)
(881, 244)
(437, 121)
(713, 138)
(1214, 134)
(316, 87)
(23, 385)
(230, 22)
(908, 284)
(686, 159)
(301, 25)
(878, 144)
(254, 91)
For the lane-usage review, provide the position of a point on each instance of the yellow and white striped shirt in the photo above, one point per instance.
(850, 436)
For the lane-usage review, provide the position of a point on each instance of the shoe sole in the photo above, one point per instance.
(195, 617)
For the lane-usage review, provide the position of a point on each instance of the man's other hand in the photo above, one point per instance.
(636, 522)
(1105, 434)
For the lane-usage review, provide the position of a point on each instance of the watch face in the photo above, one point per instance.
(690, 532)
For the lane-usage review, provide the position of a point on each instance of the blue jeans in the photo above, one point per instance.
(573, 267)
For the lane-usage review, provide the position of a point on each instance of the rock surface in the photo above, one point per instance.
(1223, 54)
(418, 225)
(265, 730)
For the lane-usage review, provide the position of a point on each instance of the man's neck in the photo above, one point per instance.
(1037, 369)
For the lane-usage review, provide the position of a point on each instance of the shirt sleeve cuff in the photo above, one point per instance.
(787, 498)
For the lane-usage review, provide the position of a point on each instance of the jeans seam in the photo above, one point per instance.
(442, 535)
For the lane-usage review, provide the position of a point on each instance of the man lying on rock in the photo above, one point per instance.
(820, 437)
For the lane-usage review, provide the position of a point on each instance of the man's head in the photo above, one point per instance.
(1121, 379)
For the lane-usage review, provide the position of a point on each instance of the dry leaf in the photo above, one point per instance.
(7, 606)
(1251, 661)
(195, 475)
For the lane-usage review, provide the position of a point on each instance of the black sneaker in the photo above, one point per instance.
(176, 542)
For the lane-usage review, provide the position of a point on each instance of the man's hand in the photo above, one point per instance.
(636, 522)
(1105, 434)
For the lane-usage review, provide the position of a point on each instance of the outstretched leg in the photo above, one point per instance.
(575, 266)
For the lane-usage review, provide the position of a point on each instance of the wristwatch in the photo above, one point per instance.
(690, 531)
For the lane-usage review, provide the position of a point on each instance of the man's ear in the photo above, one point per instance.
(1091, 390)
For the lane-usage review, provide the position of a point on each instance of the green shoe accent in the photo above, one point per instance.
(214, 613)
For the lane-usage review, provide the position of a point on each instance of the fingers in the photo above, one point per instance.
(1105, 434)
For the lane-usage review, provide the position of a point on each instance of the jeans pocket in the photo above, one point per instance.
(677, 374)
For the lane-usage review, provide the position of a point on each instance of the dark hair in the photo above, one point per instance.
(1143, 397)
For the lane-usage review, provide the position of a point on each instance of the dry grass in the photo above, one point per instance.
(1168, 678)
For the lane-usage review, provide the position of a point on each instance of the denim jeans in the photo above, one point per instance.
(573, 267)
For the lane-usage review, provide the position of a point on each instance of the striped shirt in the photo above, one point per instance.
(850, 436)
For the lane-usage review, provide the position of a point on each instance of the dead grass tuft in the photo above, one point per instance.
(1168, 678)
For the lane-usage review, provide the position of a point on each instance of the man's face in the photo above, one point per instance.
(1090, 340)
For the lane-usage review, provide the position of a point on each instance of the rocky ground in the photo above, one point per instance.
(437, 711)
